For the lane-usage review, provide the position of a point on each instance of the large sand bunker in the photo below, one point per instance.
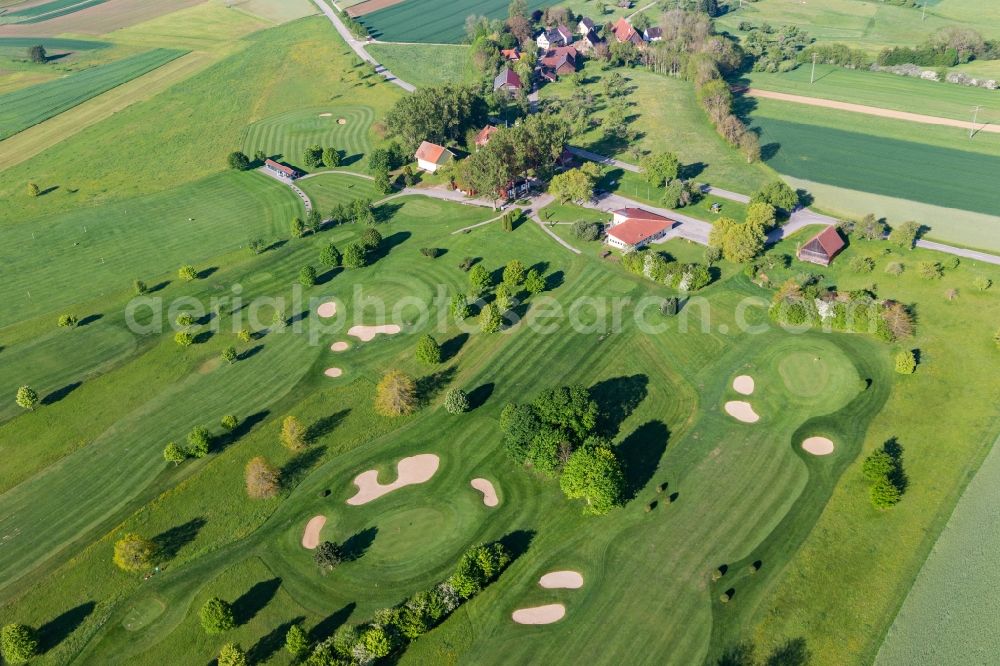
(743, 385)
(326, 115)
(310, 538)
(366, 333)
(328, 309)
(488, 491)
(818, 446)
(569, 580)
(333, 372)
(339, 346)
(409, 471)
(539, 614)
(741, 411)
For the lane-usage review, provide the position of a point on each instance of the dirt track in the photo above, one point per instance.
(870, 110)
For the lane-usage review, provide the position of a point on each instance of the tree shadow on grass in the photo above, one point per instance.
(296, 469)
(331, 623)
(385, 212)
(358, 544)
(325, 425)
(389, 243)
(59, 628)
(244, 426)
(616, 399)
(254, 600)
(170, 542)
(208, 272)
(61, 393)
(429, 386)
(250, 353)
(640, 455)
(451, 347)
(517, 542)
(90, 319)
(480, 394)
(271, 642)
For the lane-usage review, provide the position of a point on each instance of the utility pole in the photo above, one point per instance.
(972, 127)
(812, 77)
(923, 11)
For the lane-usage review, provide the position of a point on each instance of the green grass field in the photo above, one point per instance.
(432, 21)
(286, 136)
(666, 115)
(30, 106)
(868, 25)
(887, 91)
(426, 65)
(47, 10)
(953, 582)
(51, 44)
(328, 189)
(151, 187)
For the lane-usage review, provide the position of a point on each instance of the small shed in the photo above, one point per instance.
(821, 248)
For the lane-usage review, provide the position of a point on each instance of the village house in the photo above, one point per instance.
(281, 170)
(431, 157)
(584, 26)
(507, 80)
(483, 137)
(634, 228)
(624, 32)
(821, 248)
(510, 55)
(588, 41)
(558, 61)
(558, 36)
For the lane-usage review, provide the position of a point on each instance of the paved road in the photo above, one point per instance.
(306, 201)
(359, 47)
(870, 110)
(601, 159)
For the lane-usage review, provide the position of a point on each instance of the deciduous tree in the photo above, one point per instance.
(216, 616)
(428, 350)
(175, 454)
(293, 433)
(355, 256)
(232, 654)
(263, 480)
(18, 643)
(660, 168)
(26, 398)
(297, 642)
(199, 442)
(396, 394)
(456, 401)
(239, 161)
(594, 474)
(134, 552)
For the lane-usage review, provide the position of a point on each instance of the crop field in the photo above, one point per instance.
(952, 583)
(868, 25)
(51, 44)
(286, 136)
(939, 166)
(432, 21)
(426, 65)
(887, 91)
(48, 10)
(29, 106)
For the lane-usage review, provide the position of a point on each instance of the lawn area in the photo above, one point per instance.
(329, 189)
(868, 25)
(633, 186)
(426, 65)
(857, 160)
(29, 106)
(432, 21)
(887, 91)
(951, 583)
(667, 117)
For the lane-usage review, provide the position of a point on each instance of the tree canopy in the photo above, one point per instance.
(594, 474)
(440, 114)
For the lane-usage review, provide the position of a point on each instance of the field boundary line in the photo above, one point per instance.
(869, 110)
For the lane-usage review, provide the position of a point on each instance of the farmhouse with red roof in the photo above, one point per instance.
(430, 156)
(507, 80)
(483, 137)
(634, 228)
(624, 32)
(821, 248)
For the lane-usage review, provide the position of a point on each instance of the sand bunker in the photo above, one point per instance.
(569, 580)
(818, 446)
(326, 115)
(339, 346)
(486, 488)
(409, 471)
(539, 614)
(333, 372)
(310, 538)
(341, 121)
(327, 309)
(743, 385)
(366, 333)
(741, 411)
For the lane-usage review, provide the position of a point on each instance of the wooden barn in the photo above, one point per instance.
(821, 248)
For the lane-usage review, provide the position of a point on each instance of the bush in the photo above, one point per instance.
(199, 442)
(67, 321)
(431, 252)
(328, 555)
(862, 264)
(216, 616)
(18, 643)
(428, 350)
(134, 552)
(906, 362)
(307, 276)
(456, 401)
(238, 161)
(586, 231)
(232, 654)
(229, 422)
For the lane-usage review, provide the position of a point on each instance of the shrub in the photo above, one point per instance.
(328, 555)
(431, 252)
(229, 422)
(428, 350)
(67, 321)
(199, 441)
(862, 264)
(216, 616)
(456, 401)
(586, 231)
(930, 270)
(232, 654)
(982, 283)
(187, 273)
(466, 264)
(33, 190)
(134, 552)
(18, 643)
(906, 362)
(139, 287)
(256, 246)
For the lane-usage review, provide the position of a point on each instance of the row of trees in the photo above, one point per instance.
(391, 629)
(553, 434)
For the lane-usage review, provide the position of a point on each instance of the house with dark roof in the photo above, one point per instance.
(588, 41)
(821, 248)
(634, 228)
(558, 36)
(281, 170)
(558, 61)
(624, 32)
(507, 80)
(585, 25)
(431, 157)
(652, 34)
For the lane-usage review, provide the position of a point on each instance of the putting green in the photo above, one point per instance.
(143, 612)
(805, 374)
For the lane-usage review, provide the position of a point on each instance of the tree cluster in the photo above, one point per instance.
(663, 269)
(391, 629)
(775, 49)
(884, 471)
(440, 114)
